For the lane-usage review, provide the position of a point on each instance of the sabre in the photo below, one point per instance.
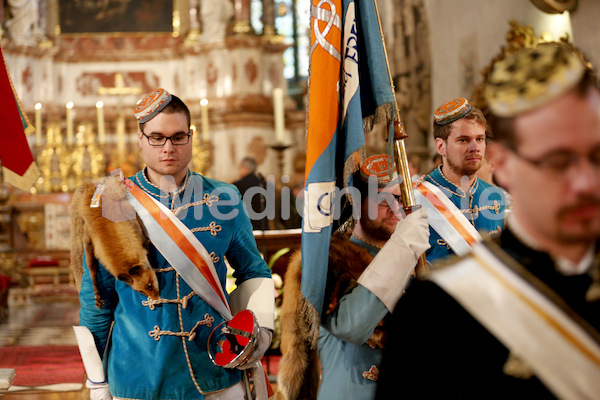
(400, 156)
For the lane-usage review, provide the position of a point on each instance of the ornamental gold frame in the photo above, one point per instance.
(179, 22)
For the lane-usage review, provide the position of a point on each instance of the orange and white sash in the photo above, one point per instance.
(447, 219)
(190, 259)
(180, 248)
(562, 353)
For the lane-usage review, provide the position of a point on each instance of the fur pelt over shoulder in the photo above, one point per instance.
(299, 372)
(121, 247)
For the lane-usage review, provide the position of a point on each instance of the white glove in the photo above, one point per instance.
(98, 391)
(413, 232)
(389, 272)
(263, 343)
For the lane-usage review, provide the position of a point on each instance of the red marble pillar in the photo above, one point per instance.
(269, 17)
(241, 17)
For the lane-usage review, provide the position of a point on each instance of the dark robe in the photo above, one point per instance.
(256, 203)
(437, 350)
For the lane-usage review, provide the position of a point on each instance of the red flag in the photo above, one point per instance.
(18, 166)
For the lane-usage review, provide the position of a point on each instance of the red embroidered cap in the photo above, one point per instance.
(379, 166)
(451, 110)
(151, 105)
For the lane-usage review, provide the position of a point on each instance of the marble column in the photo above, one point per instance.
(194, 7)
(1, 19)
(194, 16)
(242, 24)
(269, 18)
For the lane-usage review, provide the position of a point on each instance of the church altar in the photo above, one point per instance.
(79, 84)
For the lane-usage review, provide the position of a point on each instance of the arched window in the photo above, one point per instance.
(292, 21)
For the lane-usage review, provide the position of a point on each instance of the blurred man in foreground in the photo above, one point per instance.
(519, 317)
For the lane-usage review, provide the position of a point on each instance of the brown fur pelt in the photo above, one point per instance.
(299, 371)
(121, 247)
(346, 262)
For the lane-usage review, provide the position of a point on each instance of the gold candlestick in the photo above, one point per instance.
(280, 148)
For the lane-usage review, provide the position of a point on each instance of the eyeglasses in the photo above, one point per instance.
(179, 139)
(387, 200)
(560, 163)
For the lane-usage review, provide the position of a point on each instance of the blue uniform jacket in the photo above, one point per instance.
(350, 367)
(158, 348)
(483, 206)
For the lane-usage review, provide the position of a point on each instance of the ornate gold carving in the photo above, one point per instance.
(54, 162)
(88, 164)
(32, 224)
(201, 157)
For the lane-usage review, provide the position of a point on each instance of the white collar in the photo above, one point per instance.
(563, 265)
(568, 267)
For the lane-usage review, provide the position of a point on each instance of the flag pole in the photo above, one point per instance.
(400, 155)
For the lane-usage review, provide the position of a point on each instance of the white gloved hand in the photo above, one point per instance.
(98, 391)
(389, 272)
(263, 343)
(412, 232)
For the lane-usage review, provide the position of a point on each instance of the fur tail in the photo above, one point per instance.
(299, 372)
(81, 198)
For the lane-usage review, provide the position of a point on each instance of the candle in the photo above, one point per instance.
(278, 114)
(38, 124)
(204, 115)
(70, 123)
(121, 136)
(100, 115)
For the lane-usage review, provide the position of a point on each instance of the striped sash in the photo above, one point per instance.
(563, 353)
(447, 219)
(179, 247)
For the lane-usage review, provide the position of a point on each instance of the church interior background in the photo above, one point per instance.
(79, 67)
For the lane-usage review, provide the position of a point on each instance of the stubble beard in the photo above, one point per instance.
(466, 168)
(376, 231)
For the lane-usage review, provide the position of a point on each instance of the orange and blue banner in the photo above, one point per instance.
(18, 166)
(348, 81)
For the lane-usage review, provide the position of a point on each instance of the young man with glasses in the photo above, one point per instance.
(519, 317)
(470, 206)
(367, 274)
(158, 347)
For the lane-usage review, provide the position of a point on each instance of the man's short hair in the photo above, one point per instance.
(250, 163)
(475, 115)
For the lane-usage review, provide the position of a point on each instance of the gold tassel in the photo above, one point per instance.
(517, 368)
(593, 293)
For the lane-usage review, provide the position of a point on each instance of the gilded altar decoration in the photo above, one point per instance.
(201, 156)
(54, 163)
(32, 224)
(88, 157)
